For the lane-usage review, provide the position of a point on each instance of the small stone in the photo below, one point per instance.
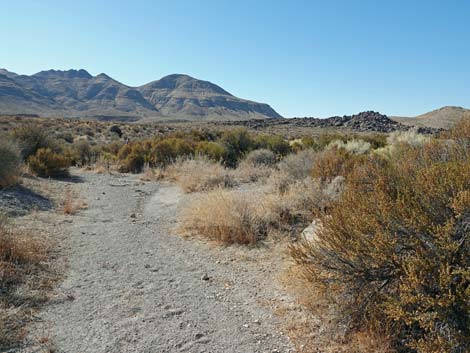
(199, 335)
(133, 215)
(205, 277)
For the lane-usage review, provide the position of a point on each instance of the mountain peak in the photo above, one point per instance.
(7, 73)
(183, 82)
(67, 74)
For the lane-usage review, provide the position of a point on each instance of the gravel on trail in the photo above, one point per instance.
(131, 285)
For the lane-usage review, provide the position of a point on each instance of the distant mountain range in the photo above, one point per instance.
(76, 93)
(442, 118)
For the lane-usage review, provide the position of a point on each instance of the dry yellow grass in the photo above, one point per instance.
(199, 174)
(72, 204)
(226, 216)
(23, 260)
(247, 214)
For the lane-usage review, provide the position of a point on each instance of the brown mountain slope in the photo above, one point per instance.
(442, 118)
(183, 96)
(76, 93)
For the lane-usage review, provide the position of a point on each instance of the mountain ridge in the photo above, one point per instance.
(77, 93)
(440, 118)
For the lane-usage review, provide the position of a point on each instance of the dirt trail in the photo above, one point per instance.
(132, 286)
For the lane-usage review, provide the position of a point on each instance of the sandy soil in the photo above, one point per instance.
(131, 285)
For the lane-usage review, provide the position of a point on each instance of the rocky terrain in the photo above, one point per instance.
(76, 93)
(363, 122)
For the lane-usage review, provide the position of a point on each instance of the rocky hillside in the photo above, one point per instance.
(442, 118)
(76, 93)
(363, 122)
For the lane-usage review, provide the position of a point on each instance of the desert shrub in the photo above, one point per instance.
(199, 174)
(249, 173)
(274, 143)
(296, 145)
(30, 139)
(66, 136)
(355, 146)
(375, 140)
(116, 130)
(84, 154)
(47, 163)
(226, 216)
(298, 165)
(326, 138)
(168, 150)
(393, 253)
(261, 157)
(10, 162)
(335, 162)
(309, 142)
(292, 205)
(237, 142)
(112, 148)
(461, 130)
(131, 158)
(410, 137)
(399, 138)
(212, 150)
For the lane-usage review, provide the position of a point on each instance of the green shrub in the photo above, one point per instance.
(212, 150)
(393, 252)
(30, 139)
(168, 150)
(47, 163)
(274, 143)
(116, 130)
(131, 158)
(10, 162)
(84, 153)
(325, 139)
(237, 142)
(376, 140)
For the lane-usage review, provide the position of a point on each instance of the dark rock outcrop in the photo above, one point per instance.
(369, 121)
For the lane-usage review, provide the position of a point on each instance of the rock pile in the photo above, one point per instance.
(369, 121)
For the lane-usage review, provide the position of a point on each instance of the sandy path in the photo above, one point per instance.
(132, 286)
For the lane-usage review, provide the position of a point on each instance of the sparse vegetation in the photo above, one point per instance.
(47, 163)
(390, 259)
(10, 162)
(30, 139)
(21, 257)
(200, 174)
(392, 255)
(260, 158)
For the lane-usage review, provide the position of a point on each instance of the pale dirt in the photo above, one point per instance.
(132, 285)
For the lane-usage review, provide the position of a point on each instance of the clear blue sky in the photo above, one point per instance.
(305, 58)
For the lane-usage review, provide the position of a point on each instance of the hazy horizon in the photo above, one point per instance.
(307, 59)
